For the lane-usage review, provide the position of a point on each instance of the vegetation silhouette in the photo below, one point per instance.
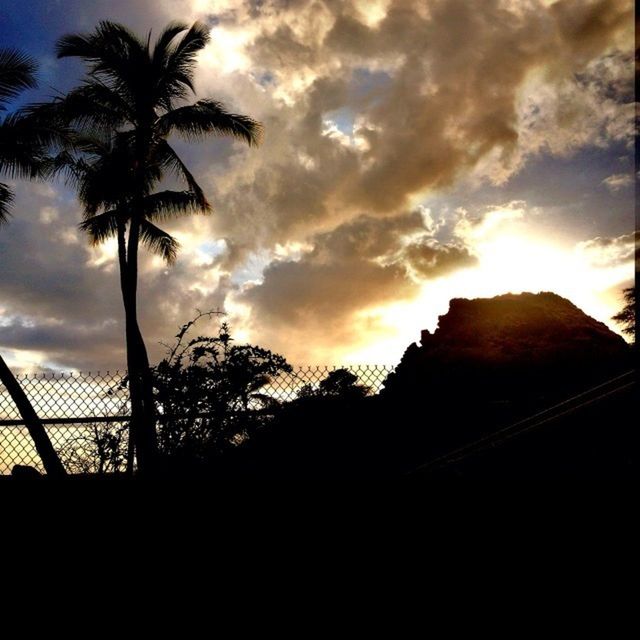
(212, 395)
(134, 97)
(99, 448)
(490, 363)
(510, 364)
(627, 315)
(340, 383)
(22, 155)
(205, 409)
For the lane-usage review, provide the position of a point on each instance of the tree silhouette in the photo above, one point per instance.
(16, 150)
(99, 168)
(213, 393)
(627, 316)
(22, 145)
(133, 99)
(340, 383)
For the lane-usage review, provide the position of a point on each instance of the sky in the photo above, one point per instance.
(414, 151)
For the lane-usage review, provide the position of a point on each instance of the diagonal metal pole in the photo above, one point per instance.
(50, 460)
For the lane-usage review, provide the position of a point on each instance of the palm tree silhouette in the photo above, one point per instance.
(134, 98)
(99, 168)
(19, 150)
(22, 146)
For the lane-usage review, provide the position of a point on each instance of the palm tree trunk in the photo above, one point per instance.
(47, 453)
(134, 391)
(148, 402)
(144, 427)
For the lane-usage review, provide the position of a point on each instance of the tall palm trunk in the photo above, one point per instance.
(142, 409)
(134, 384)
(49, 457)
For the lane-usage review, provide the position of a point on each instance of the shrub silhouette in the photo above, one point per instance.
(100, 449)
(212, 395)
(340, 383)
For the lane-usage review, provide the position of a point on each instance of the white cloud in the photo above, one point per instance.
(609, 252)
(618, 182)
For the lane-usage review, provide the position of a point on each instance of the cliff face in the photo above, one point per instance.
(513, 343)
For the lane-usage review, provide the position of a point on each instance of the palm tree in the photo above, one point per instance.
(99, 169)
(21, 155)
(136, 95)
(16, 151)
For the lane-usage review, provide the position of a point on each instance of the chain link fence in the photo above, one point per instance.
(85, 414)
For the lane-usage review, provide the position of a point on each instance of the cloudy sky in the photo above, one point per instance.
(414, 151)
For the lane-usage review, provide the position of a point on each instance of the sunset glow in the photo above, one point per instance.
(413, 152)
(507, 264)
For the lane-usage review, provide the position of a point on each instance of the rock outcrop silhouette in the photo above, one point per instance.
(510, 346)
(490, 364)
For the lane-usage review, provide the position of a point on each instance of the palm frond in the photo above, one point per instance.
(162, 48)
(115, 55)
(170, 160)
(62, 164)
(6, 198)
(164, 205)
(107, 38)
(95, 145)
(40, 128)
(101, 168)
(101, 227)
(178, 63)
(193, 41)
(159, 241)
(22, 147)
(90, 107)
(16, 73)
(99, 187)
(105, 171)
(209, 117)
(76, 45)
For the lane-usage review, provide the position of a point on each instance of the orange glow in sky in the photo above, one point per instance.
(508, 263)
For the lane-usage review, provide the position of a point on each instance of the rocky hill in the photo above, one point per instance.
(511, 344)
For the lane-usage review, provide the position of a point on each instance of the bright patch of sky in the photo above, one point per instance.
(213, 248)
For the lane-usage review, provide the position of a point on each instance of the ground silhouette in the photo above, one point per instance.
(511, 346)
(491, 362)
(490, 369)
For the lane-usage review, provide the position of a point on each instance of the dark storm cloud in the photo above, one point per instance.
(432, 260)
(339, 276)
(358, 266)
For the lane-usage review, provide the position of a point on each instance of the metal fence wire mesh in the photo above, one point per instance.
(84, 411)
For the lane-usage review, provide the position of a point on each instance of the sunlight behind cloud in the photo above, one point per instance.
(25, 360)
(513, 264)
(371, 12)
(507, 264)
(226, 52)
(104, 256)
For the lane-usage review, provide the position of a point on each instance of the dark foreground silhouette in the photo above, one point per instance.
(490, 364)
(514, 387)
